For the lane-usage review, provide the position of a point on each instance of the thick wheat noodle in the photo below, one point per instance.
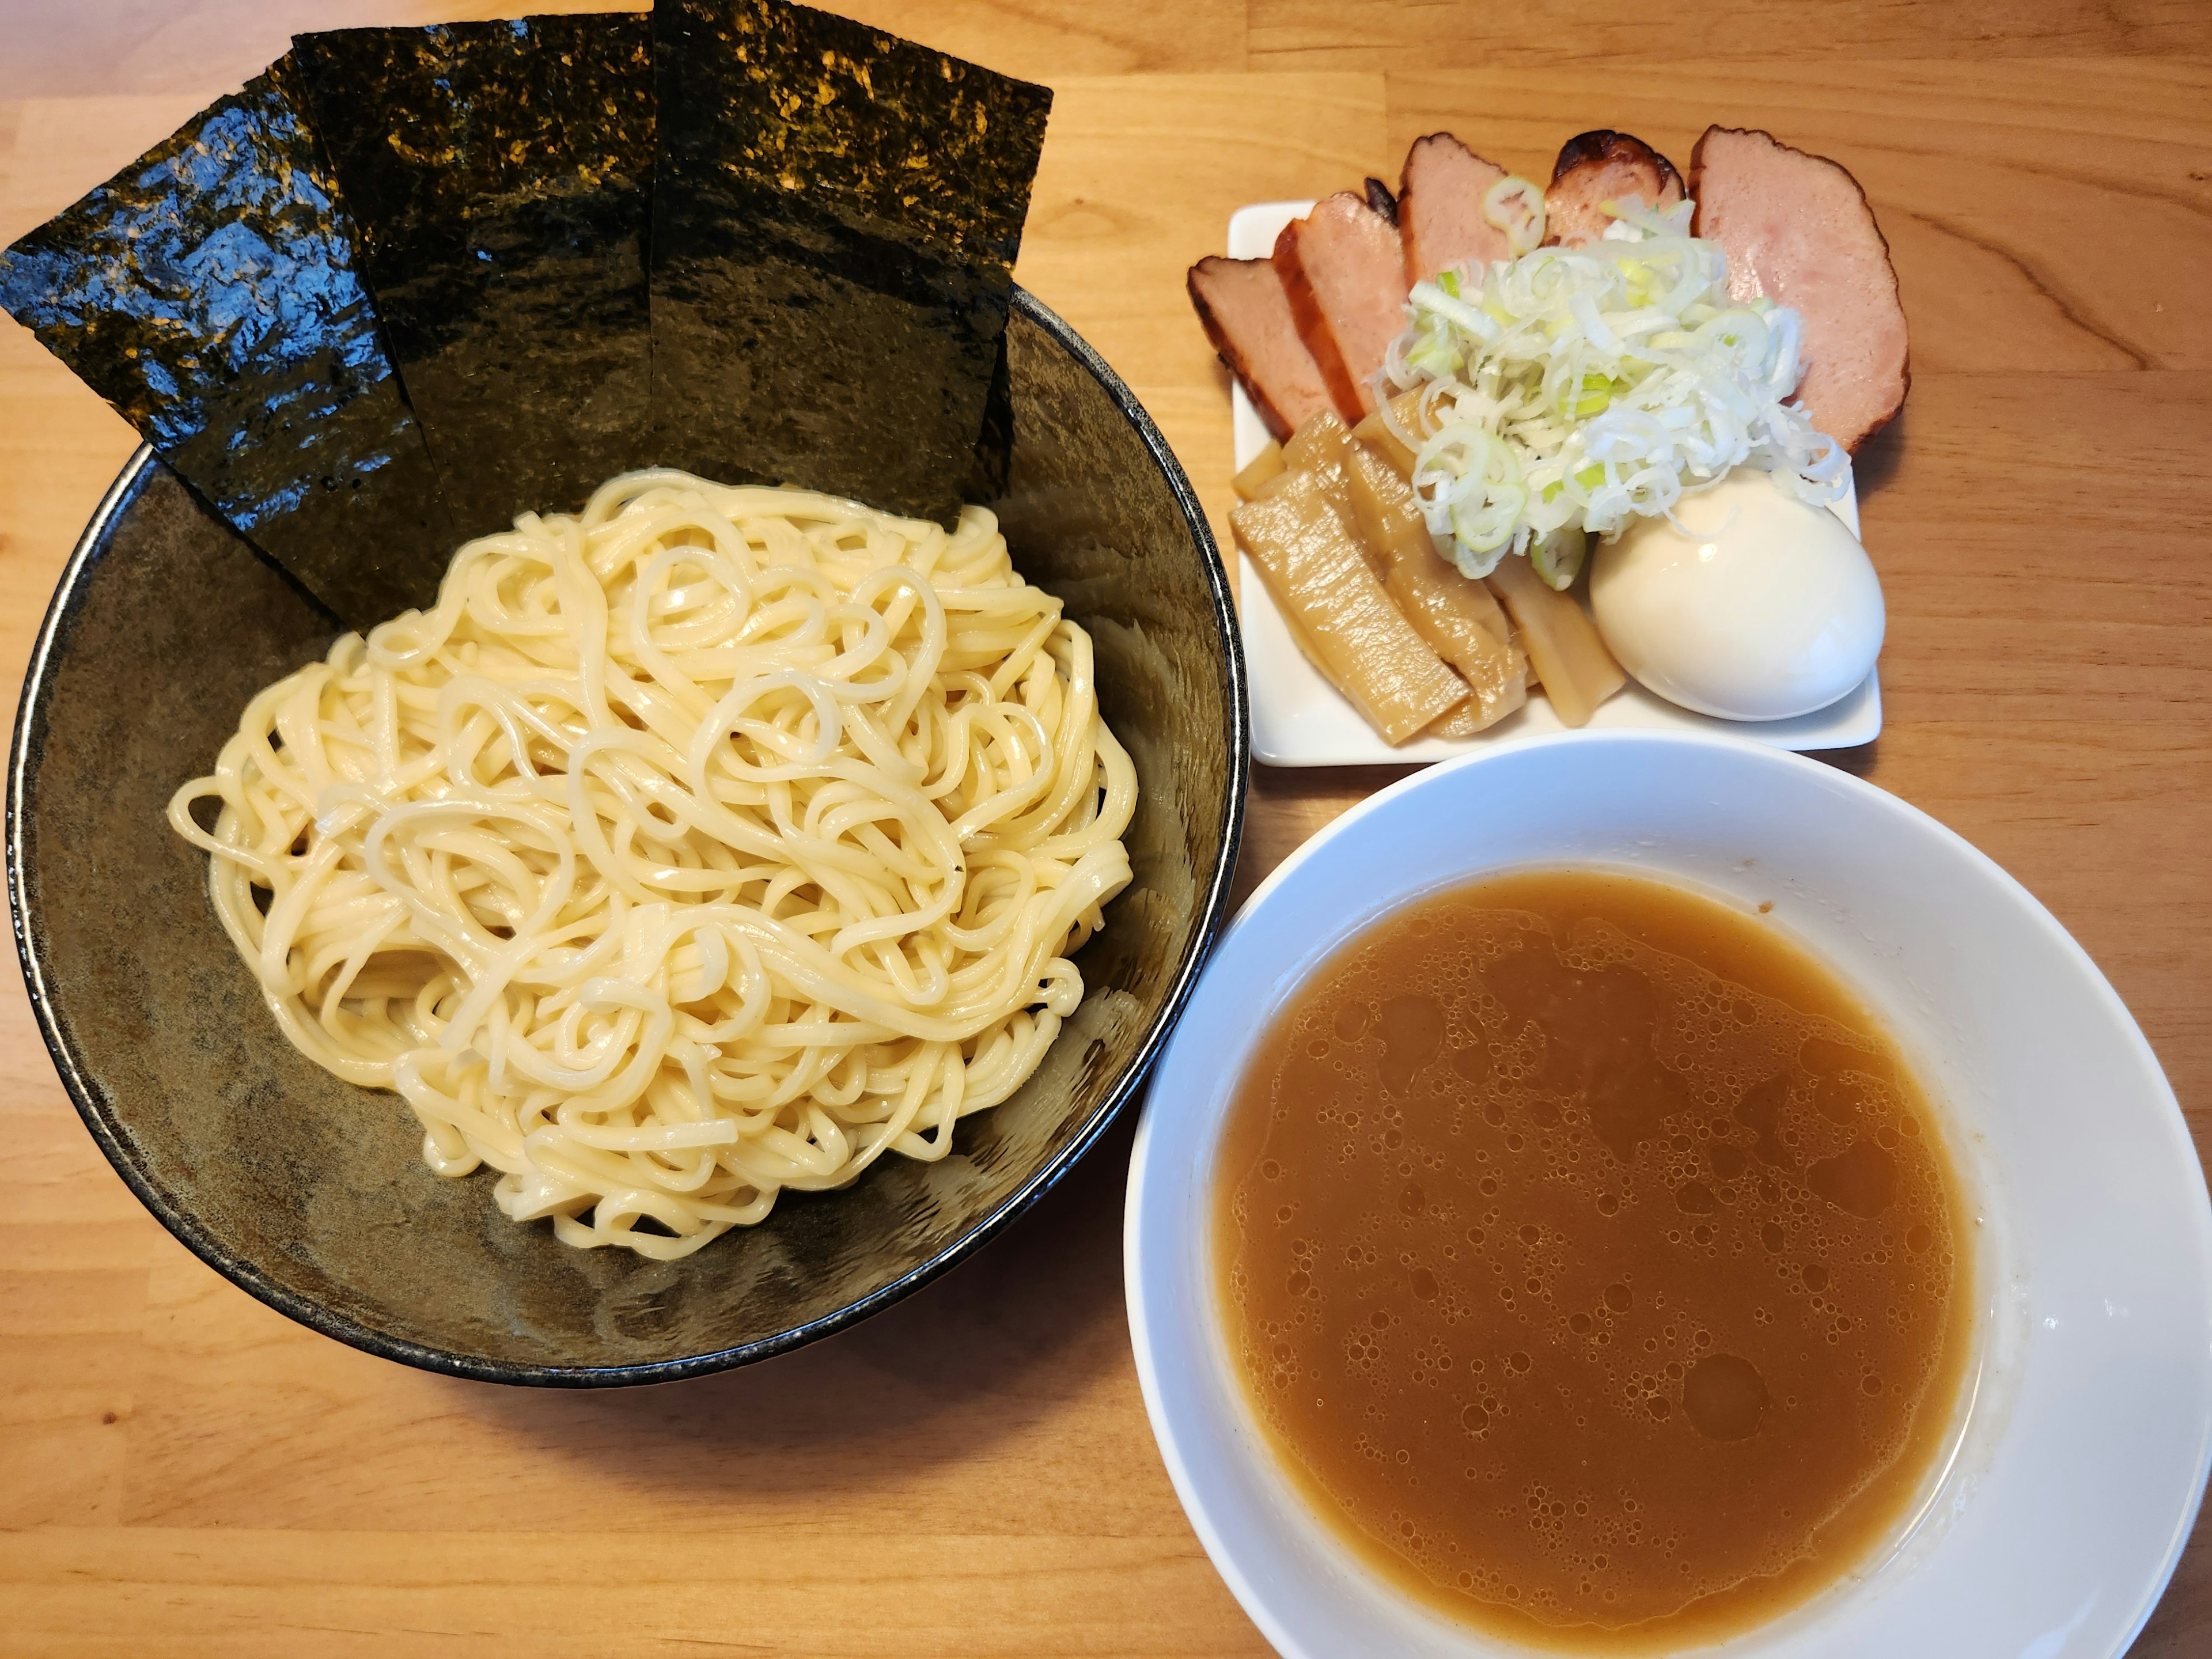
(713, 841)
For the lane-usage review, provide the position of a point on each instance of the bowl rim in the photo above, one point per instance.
(109, 1131)
(1147, 1308)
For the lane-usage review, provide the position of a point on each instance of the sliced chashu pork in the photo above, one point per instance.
(1600, 166)
(1343, 268)
(1797, 229)
(1247, 315)
(1440, 218)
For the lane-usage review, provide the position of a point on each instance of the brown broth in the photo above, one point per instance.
(1593, 1261)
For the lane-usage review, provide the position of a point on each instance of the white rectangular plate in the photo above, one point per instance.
(1298, 718)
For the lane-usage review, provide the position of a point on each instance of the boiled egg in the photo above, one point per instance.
(1761, 607)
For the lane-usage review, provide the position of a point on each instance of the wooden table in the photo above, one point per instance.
(183, 1471)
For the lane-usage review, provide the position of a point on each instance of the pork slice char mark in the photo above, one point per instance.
(1246, 314)
(1796, 228)
(1346, 274)
(1440, 216)
(1600, 166)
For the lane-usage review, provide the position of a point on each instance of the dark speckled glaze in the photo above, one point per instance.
(310, 1192)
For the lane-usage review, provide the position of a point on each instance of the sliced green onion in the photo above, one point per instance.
(1594, 396)
(1558, 558)
(1516, 206)
(1485, 526)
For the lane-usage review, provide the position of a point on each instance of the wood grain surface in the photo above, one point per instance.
(183, 1472)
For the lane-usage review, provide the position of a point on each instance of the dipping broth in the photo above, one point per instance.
(1593, 1260)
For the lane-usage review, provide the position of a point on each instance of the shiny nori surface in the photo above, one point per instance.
(836, 216)
(209, 292)
(500, 174)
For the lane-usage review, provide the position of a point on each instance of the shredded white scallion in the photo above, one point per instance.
(1573, 389)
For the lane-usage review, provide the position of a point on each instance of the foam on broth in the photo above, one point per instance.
(1593, 1261)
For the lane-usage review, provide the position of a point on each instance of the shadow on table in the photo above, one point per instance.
(977, 1356)
(1877, 461)
(1858, 761)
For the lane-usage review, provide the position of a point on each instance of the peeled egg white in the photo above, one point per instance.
(1769, 608)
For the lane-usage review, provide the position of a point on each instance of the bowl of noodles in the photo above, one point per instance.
(721, 911)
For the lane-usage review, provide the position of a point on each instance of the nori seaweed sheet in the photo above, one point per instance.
(209, 292)
(836, 216)
(499, 175)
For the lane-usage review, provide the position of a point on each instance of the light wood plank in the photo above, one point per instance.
(598, 1594)
(183, 1472)
(1394, 34)
(1050, 41)
(1139, 180)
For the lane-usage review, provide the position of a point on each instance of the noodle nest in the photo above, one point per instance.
(713, 841)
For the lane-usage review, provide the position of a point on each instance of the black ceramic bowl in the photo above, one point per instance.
(310, 1194)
